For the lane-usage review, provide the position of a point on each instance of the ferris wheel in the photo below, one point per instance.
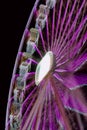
(50, 72)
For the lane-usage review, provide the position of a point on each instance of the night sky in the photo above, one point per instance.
(14, 16)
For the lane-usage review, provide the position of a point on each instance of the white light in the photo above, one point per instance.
(51, 3)
(43, 68)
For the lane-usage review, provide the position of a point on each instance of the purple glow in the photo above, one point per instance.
(51, 104)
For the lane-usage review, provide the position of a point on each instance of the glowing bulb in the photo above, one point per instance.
(44, 67)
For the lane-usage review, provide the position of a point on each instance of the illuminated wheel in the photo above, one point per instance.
(48, 86)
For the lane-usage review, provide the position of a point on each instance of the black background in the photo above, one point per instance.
(13, 19)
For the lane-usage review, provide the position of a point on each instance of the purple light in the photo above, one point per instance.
(58, 102)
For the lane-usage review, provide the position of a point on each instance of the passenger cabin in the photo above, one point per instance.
(33, 39)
